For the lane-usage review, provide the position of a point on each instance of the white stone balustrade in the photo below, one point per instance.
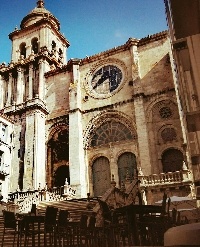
(24, 199)
(165, 178)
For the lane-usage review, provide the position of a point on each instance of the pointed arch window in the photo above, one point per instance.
(23, 49)
(111, 131)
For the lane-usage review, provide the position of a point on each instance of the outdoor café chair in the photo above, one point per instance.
(10, 227)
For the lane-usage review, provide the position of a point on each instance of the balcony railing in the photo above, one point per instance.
(165, 178)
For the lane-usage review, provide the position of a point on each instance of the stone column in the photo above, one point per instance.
(8, 102)
(29, 162)
(45, 33)
(19, 86)
(143, 142)
(39, 150)
(34, 158)
(41, 80)
(49, 167)
(43, 67)
(2, 91)
(77, 164)
(30, 87)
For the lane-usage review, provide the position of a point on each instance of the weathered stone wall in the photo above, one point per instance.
(155, 81)
(57, 94)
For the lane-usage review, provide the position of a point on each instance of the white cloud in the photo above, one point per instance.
(119, 34)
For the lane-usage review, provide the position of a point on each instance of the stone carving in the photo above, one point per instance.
(104, 117)
(165, 112)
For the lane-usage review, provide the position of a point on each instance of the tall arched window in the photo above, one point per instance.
(53, 46)
(126, 166)
(23, 49)
(60, 53)
(34, 45)
(172, 160)
(111, 131)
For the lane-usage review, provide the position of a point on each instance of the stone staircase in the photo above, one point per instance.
(75, 207)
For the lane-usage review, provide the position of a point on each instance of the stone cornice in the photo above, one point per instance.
(56, 71)
(131, 42)
(101, 108)
(34, 104)
(105, 54)
(113, 51)
(33, 58)
(152, 38)
(5, 117)
(64, 68)
(146, 96)
(64, 119)
(113, 106)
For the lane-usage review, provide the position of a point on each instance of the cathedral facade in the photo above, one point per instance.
(88, 120)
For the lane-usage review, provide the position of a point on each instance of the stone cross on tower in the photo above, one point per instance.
(40, 4)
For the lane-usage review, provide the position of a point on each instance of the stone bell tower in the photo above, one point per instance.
(37, 47)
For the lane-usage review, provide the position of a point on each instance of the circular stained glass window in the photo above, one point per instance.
(107, 79)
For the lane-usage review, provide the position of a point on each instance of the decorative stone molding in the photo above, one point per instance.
(123, 150)
(95, 157)
(158, 103)
(169, 146)
(104, 117)
(166, 126)
(58, 123)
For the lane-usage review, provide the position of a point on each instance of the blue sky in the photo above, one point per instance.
(91, 26)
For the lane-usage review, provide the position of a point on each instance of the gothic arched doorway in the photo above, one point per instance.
(126, 164)
(172, 160)
(60, 175)
(101, 175)
(58, 156)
